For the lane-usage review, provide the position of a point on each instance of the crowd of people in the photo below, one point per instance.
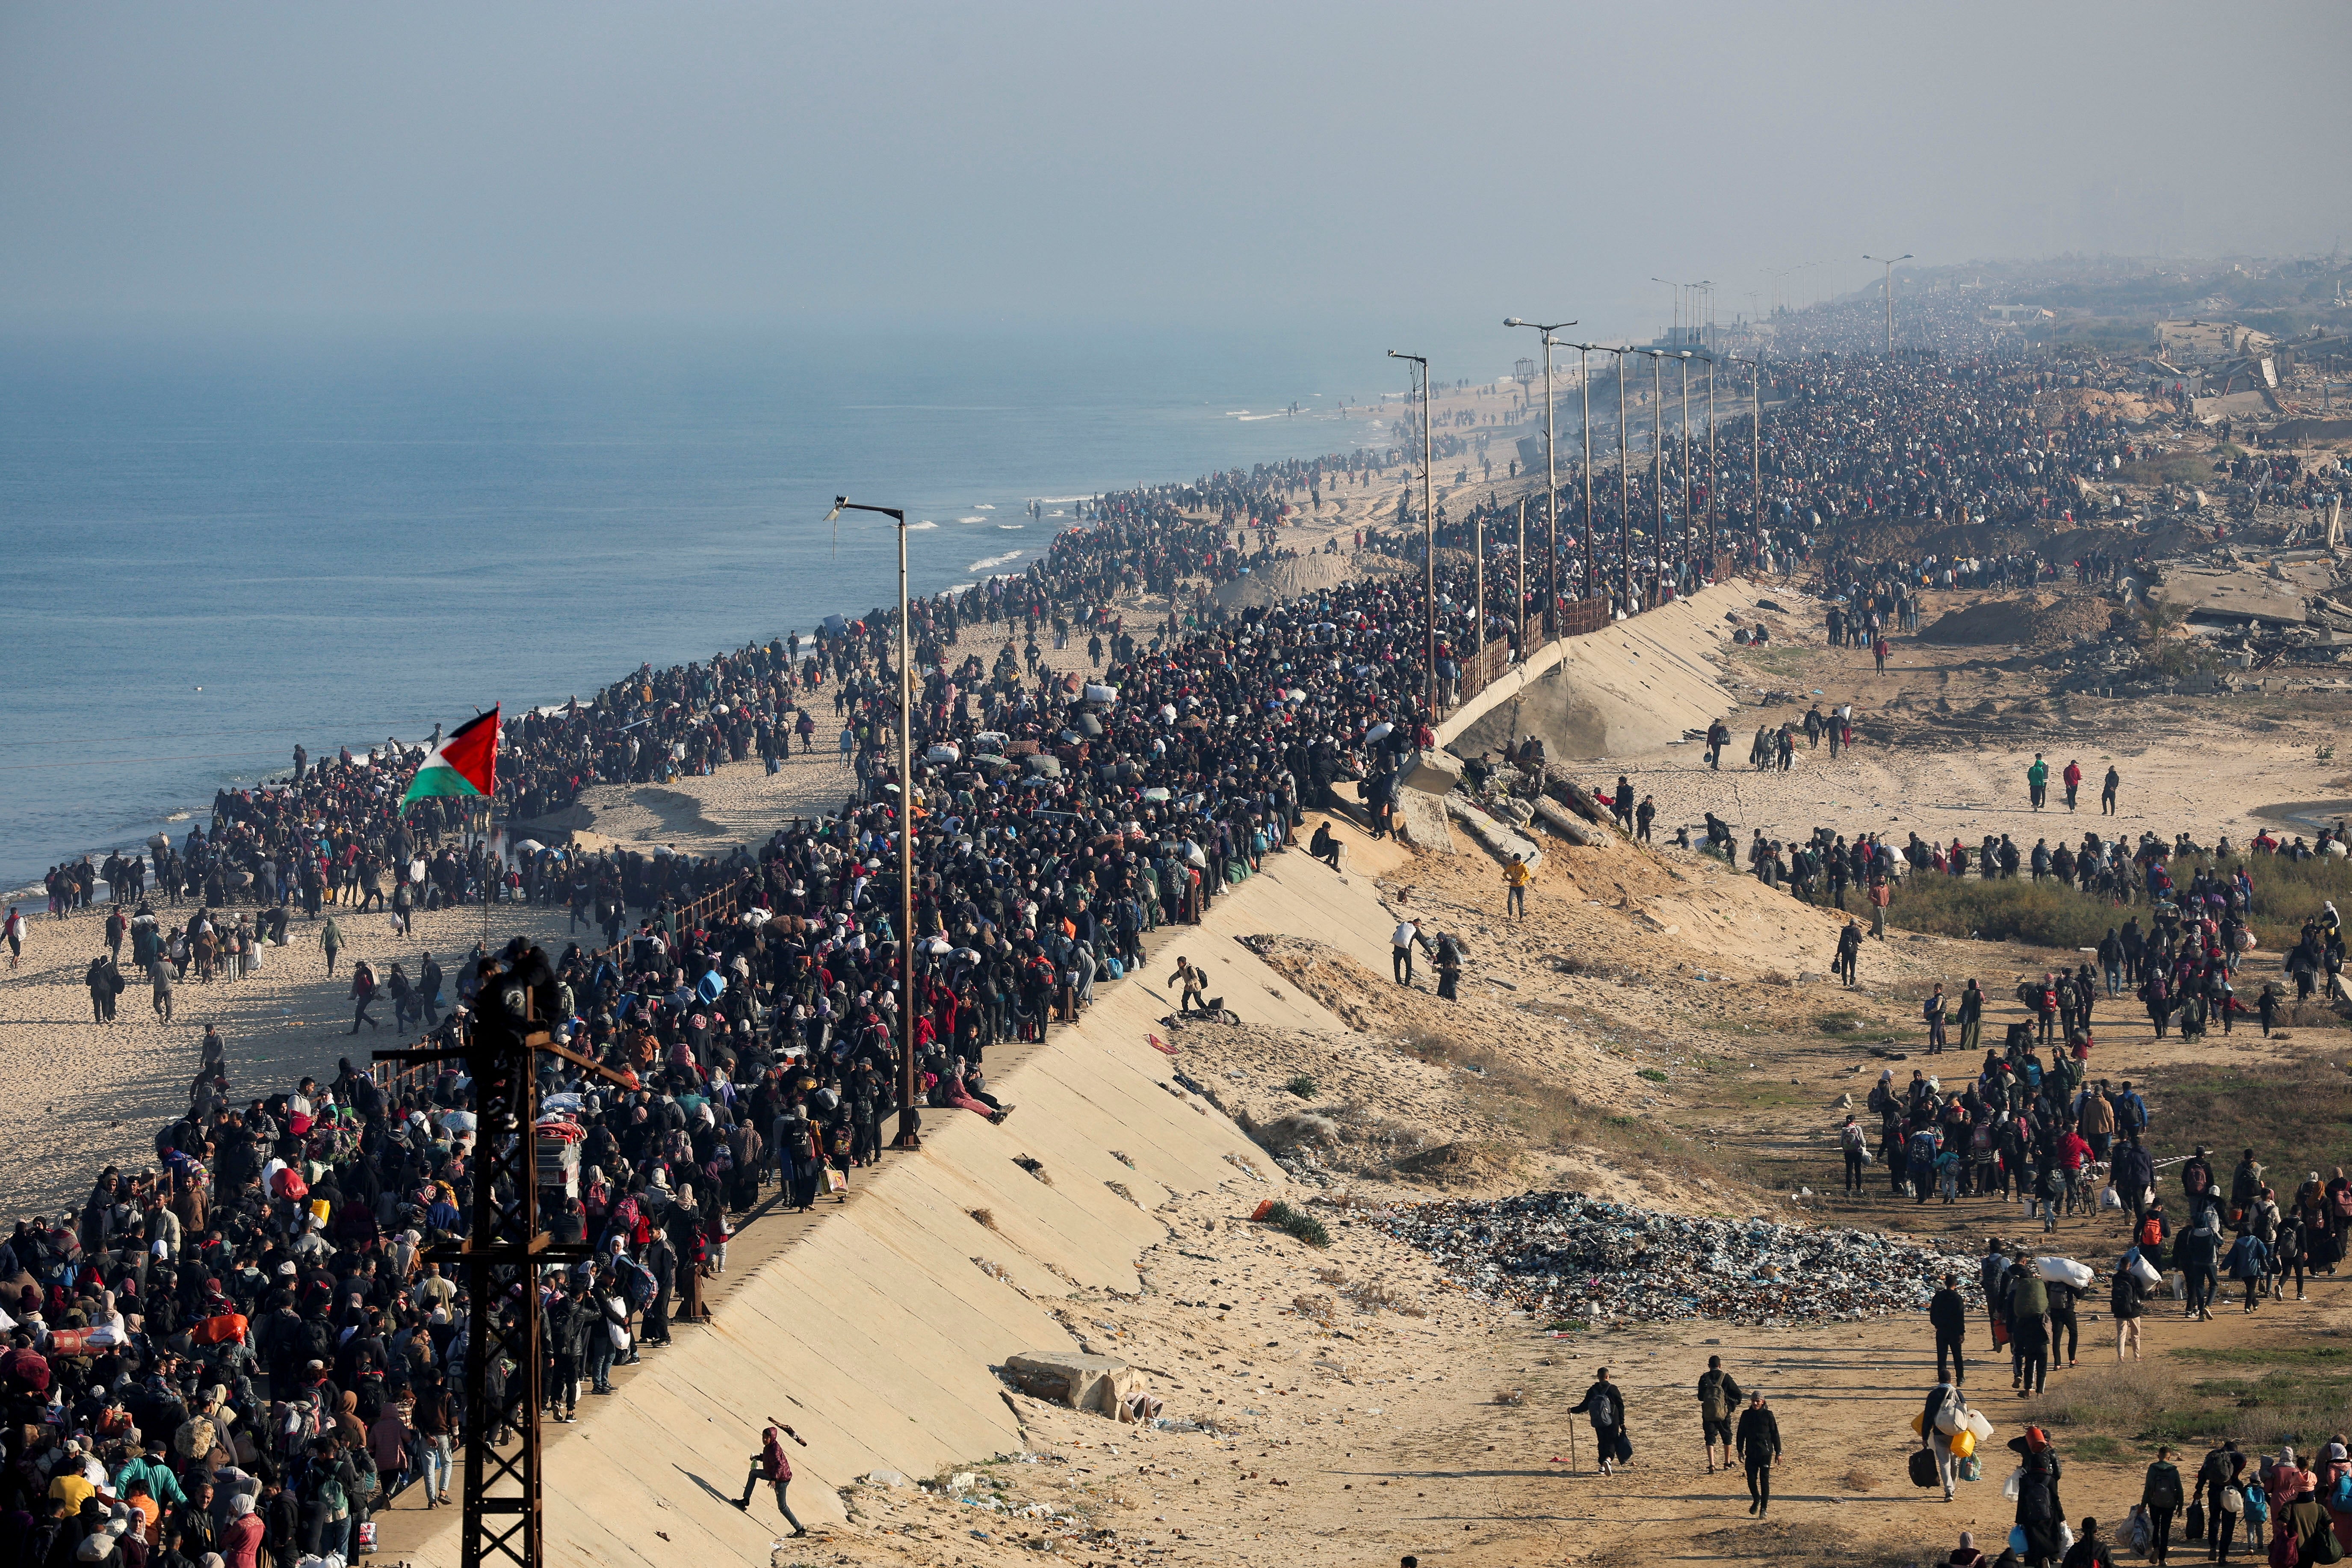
(244, 1347)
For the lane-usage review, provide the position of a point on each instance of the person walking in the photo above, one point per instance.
(1192, 980)
(1849, 951)
(1932, 1010)
(1854, 1141)
(12, 932)
(2195, 1252)
(363, 996)
(2126, 1298)
(2160, 1494)
(2029, 1327)
(2071, 777)
(1449, 967)
(105, 982)
(1759, 1446)
(1971, 1018)
(2107, 792)
(1604, 1406)
(1718, 1402)
(2216, 1478)
(2039, 1508)
(1948, 1314)
(771, 1465)
(159, 981)
(1402, 942)
(2037, 781)
(1943, 1401)
(330, 942)
(1515, 877)
(2250, 1262)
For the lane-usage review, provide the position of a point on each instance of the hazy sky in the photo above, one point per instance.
(1168, 164)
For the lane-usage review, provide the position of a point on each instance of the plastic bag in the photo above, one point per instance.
(2111, 1199)
(1971, 1469)
(2141, 1270)
(2064, 1270)
(2009, 1487)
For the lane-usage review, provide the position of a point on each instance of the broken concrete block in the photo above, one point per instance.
(1090, 1383)
(1434, 772)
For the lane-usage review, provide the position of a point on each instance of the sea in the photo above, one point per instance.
(217, 542)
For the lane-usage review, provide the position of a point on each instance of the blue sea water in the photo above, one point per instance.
(214, 544)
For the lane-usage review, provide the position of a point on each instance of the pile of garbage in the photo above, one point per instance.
(1569, 1256)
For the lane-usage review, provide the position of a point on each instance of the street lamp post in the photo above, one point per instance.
(1689, 553)
(908, 1137)
(1755, 437)
(1584, 393)
(1624, 498)
(1657, 470)
(1889, 264)
(1429, 543)
(1712, 500)
(1551, 468)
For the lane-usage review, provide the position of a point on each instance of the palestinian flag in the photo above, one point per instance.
(466, 763)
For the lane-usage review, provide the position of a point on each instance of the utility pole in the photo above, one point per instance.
(1689, 549)
(1889, 264)
(1756, 439)
(1429, 543)
(1657, 477)
(1624, 499)
(1713, 502)
(1519, 616)
(1585, 388)
(1551, 469)
(910, 1115)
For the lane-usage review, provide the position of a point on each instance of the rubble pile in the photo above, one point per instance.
(1570, 1256)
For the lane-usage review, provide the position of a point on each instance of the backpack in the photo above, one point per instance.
(2151, 1232)
(636, 1283)
(1604, 1408)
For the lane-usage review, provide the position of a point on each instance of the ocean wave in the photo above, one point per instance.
(984, 505)
(990, 563)
(972, 519)
(919, 527)
(1011, 525)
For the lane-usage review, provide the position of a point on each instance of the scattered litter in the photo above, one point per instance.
(1566, 1254)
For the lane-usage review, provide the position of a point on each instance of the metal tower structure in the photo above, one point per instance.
(501, 1255)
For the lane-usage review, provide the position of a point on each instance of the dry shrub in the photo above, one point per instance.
(1860, 1479)
(985, 1216)
(1318, 1308)
(1464, 1164)
(1332, 1277)
(1512, 1397)
(2126, 1399)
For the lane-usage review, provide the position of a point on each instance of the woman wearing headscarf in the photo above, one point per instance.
(241, 1541)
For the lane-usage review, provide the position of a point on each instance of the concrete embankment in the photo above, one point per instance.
(873, 1329)
(1632, 687)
